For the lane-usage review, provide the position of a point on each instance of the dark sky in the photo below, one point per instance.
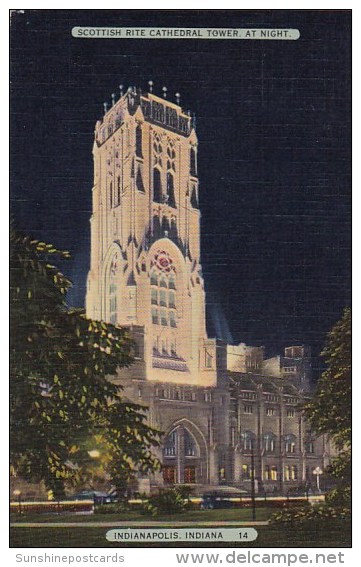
(273, 122)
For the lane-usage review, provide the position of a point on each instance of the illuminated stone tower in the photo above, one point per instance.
(145, 237)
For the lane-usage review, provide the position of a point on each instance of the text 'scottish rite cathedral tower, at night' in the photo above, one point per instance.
(221, 407)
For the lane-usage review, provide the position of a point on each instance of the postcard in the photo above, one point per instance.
(180, 282)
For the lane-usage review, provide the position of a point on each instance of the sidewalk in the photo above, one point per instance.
(134, 524)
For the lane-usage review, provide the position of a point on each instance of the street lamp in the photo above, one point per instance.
(253, 484)
(317, 472)
(17, 493)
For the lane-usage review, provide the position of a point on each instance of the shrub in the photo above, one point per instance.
(306, 514)
(339, 497)
(170, 500)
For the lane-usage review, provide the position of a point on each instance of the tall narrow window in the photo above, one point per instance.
(274, 473)
(139, 181)
(155, 319)
(118, 190)
(172, 281)
(172, 319)
(170, 190)
(193, 162)
(157, 186)
(138, 142)
(111, 194)
(171, 299)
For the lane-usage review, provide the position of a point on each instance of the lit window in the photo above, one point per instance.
(274, 473)
(248, 409)
(270, 411)
(267, 473)
(290, 413)
(247, 472)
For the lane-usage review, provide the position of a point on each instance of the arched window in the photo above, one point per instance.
(190, 446)
(154, 278)
(193, 162)
(162, 292)
(248, 440)
(269, 442)
(138, 142)
(290, 443)
(267, 473)
(170, 190)
(274, 473)
(157, 186)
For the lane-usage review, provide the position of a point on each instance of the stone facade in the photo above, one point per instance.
(221, 407)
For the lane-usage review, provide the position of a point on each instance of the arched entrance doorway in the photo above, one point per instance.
(184, 456)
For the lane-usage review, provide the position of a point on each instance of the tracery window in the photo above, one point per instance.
(163, 289)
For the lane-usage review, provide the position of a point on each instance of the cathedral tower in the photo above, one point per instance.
(145, 268)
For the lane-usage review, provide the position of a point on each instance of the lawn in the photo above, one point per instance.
(331, 533)
(197, 516)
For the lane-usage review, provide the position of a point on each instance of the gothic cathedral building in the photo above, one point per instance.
(225, 410)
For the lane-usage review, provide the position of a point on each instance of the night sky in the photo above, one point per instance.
(273, 123)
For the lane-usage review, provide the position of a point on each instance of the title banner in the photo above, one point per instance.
(185, 33)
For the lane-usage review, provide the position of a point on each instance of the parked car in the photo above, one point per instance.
(222, 498)
(95, 495)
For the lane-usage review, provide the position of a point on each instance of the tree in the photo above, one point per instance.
(329, 411)
(62, 403)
